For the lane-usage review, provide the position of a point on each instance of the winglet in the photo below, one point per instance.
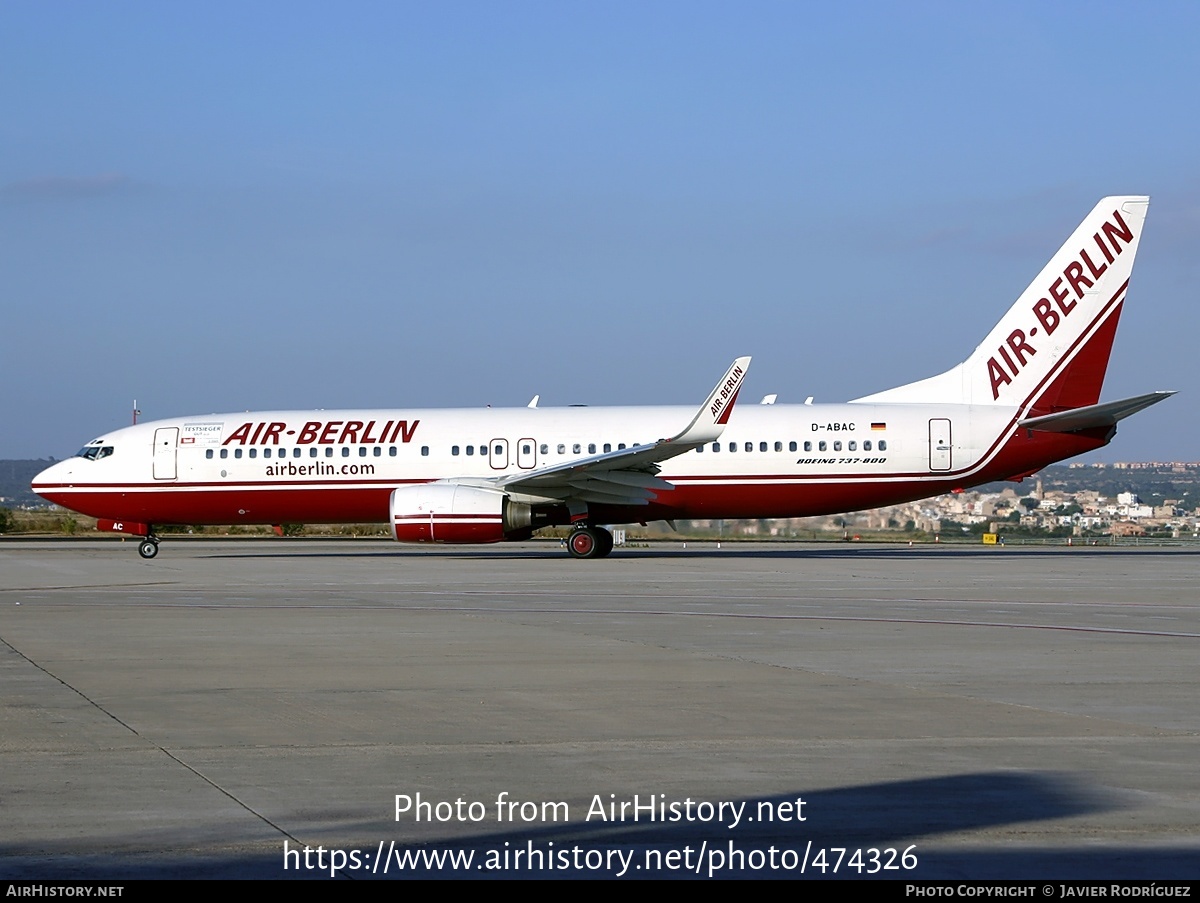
(710, 420)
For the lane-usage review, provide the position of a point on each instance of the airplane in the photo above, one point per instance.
(1027, 396)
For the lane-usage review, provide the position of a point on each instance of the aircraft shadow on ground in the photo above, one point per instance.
(708, 550)
(896, 815)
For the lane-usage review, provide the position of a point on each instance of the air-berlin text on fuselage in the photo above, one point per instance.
(726, 391)
(331, 432)
(1058, 304)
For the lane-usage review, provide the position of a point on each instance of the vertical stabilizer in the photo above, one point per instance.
(1050, 351)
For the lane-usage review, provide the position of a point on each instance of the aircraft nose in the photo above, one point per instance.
(55, 475)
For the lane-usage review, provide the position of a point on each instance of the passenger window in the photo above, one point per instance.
(470, 450)
(377, 451)
(620, 446)
(607, 447)
(733, 446)
(716, 446)
(821, 446)
(237, 452)
(852, 445)
(837, 446)
(328, 451)
(362, 451)
(778, 446)
(391, 451)
(296, 453)
(425, 451)
(208, 453)
(882, 445)
(543, 449)
(867, 445)
(345, 451)
(762, 446)
(791, 446)
(576, 448)
(591, 448)
(808, 446)
(312, 452)
(699, 448)
(224, 453)
(254, 453)
(562, 449)
(498, 450)
(454, 450)
(749, 446)
(266, 453)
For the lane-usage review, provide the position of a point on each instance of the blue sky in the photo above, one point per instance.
(230, 206)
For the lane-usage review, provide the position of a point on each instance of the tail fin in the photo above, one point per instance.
(1050, 351)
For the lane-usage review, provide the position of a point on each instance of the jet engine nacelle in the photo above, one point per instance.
(447, 512)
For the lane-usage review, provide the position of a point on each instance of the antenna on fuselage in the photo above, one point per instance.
(135, 412)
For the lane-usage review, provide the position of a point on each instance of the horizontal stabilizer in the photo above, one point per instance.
(1096, 415)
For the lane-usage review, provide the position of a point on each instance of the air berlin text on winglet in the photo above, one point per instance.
(334, 432)
(1016, 350)
(728, 390)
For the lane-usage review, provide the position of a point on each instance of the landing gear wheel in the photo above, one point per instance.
(584, 543)
(148, 548)
(604, 540)
(589, 542)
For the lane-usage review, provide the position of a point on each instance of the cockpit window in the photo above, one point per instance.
(94, 452)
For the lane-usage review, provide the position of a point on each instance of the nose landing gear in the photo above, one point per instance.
(148, 547)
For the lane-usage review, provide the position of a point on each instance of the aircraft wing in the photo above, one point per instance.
(628, 476)
(1095, 415)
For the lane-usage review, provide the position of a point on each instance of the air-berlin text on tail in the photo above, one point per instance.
(1050, 310)
(332, 432)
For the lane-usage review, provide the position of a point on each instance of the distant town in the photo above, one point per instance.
(1066, 501)
(1126, 499)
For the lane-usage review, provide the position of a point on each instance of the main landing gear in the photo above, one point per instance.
(589, 542)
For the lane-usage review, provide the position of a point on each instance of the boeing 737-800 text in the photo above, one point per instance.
(1028, 396)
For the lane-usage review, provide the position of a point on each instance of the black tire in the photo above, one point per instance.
(584, 543)
(604, 539)
(148, 548)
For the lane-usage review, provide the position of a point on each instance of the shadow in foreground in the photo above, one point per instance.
(772, 837)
